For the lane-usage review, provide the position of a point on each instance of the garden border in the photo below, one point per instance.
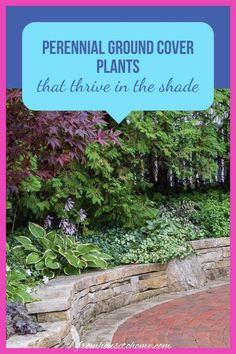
(67, 306)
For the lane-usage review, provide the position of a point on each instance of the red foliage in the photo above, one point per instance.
(56, 138)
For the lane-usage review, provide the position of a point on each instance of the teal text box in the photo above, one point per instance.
(118, 67)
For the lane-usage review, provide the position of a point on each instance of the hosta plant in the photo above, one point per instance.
(52, 253)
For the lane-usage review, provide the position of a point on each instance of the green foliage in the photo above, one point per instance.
(115, 184)
(31, 184)
(162, 239)
(214, 218)
(208, 209)
(16, 285)
(107, 191)
(213, 213)
(146, 175)
(51, 253)
(16, 288)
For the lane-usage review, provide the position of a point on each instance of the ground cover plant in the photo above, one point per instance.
(19, 321)
(84, 192)
(190, 216)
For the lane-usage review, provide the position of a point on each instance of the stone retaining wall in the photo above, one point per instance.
(69, 304)
(211, 262)
(214, 256)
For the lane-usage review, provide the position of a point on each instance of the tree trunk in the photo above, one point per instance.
(162, 176)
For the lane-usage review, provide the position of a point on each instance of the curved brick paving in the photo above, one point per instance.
(200, 320)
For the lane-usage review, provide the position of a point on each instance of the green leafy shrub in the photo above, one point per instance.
(19, 321)
(213, 214)
(109, 192)
(117, 171)
(52, 253)
(208, 209)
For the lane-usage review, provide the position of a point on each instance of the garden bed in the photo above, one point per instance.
(74, 302)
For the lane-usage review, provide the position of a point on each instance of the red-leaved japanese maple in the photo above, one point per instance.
(54, 138)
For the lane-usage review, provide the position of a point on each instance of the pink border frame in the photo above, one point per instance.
(4, 3)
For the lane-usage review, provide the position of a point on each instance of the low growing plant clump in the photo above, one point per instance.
(52, 253)
(16, 287)
(19, 321)
(19, 282)
(162, 239)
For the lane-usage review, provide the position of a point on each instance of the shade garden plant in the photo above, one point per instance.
(52, 253)
(47, 253)
(19, 321)
(85, 193)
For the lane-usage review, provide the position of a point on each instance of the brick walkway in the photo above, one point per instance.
(195, 321)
